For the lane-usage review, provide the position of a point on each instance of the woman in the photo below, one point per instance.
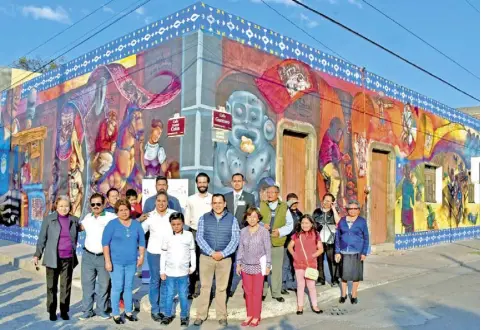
(352, 242)
(121, 239)
(305, 246)
(254, 245)
(57, 241)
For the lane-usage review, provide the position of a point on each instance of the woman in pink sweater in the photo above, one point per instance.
(305, 246)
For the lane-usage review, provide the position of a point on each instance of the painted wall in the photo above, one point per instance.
(99, 122)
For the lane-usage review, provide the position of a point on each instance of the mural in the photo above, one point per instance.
(99, 122)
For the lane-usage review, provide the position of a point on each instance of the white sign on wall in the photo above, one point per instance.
(177, 187)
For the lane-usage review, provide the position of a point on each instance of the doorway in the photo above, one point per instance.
(379, 196)
(294, 165)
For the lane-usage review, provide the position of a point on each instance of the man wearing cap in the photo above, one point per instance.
(288, 276)
(278, 220)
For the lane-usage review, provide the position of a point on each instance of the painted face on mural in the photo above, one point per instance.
(251, 128)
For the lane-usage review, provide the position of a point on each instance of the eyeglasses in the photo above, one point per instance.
(95, 204)
(352, 208)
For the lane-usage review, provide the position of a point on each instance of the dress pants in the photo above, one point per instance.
(63, 271)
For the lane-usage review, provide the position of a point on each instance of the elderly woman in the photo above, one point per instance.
(254, 245)
(351, 245)
(57, 242)
(121, 240)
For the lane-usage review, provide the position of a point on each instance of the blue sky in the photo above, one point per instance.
(450, 25)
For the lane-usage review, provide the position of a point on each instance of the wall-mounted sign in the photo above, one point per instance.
(221, 119)
(176, 126)
(220, 136)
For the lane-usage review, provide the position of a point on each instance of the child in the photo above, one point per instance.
(305, 246)
(132, 197)
(177, 262)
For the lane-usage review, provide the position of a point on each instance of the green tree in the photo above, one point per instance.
(37, 64)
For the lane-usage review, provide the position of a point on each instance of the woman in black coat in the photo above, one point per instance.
(57, 243)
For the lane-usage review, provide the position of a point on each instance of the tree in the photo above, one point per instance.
(37, 64)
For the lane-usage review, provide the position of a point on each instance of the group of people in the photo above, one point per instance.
(201, 252)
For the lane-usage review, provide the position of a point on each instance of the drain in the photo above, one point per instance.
(336, 311)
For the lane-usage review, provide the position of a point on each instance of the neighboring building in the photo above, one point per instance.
(472, 111)
(12, 77)
(303, 118)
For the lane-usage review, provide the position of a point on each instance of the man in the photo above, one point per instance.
(197, 205)
(238, 201)
(158, 225)
(327, 219)
(113, 196)
(93, 263)
(218, 237)
(288, 275)
(161, 184)
(278, 220)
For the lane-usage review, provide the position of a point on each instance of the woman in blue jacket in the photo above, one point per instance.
(352, 242)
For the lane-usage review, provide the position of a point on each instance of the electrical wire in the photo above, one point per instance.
(384, 48)
(419, 38)
(469, 3)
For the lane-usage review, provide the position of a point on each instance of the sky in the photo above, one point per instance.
(450, 25)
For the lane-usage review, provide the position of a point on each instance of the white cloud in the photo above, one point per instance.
(281, 2)
(356, 3)
(58, 14)
(108, 10)
(140, 11)
(310, 23)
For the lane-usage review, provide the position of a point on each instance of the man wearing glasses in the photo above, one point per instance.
(93, 263)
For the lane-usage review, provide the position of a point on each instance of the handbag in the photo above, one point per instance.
(311, 273)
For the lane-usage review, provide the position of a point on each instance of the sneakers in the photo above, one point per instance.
(198, 322)
(104, 315)
(184, 322)
(167, 320)
(87, 315)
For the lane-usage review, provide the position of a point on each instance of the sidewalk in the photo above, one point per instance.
(380, 268)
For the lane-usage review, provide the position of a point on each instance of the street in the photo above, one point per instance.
(445, 297)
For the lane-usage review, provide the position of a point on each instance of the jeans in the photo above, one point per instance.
(64, 271)
(180, 286)
(331, 264)
(92, 269)
(122, 277)
(156, 289)
(288, 277)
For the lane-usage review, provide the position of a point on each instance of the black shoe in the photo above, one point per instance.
(318, 312)
(284, 291)
(223, 322)
(131, 317)
(280, 299)
(118, 320)
(231, 294)
(263, 298)
(334, 284)
(321, 283)
(167, 320)
(157, 317)
(300, 312)
(353, 300)
(190, 297)
(198, 322)
(184, 322)
(342, 300)
(65, 316)
(53, 316)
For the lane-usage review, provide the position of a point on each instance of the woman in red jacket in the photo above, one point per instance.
(305, 246)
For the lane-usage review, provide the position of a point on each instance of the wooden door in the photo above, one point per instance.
(378, 196)
(294, 167)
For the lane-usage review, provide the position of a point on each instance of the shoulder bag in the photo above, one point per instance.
(311, 273)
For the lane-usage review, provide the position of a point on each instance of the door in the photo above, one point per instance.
(379, 175)
(294, 166)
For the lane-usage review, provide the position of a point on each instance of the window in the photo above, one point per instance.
(429, 184)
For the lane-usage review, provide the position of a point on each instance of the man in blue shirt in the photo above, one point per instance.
(113, 196)
(161, 184)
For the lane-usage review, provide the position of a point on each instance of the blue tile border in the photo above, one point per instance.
(200, 16)
(428, 238)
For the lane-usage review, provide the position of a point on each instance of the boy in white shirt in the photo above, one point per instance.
(176, 264)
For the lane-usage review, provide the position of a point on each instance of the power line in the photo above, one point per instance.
(66, 29)
(78, 44)
(469, 3)
(303, 30)
(419, 38)
(385, 49)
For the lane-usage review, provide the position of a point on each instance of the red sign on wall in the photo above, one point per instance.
(176, 126)
(221, 120)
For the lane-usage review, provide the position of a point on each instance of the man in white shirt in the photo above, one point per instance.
(197, 205)
(157, 223)
(177, 263)
(93, 263)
